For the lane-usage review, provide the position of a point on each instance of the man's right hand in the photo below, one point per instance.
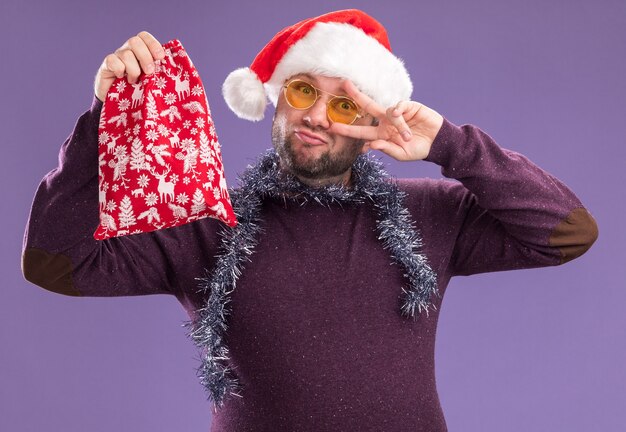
(136, 55)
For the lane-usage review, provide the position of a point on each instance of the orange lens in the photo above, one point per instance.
(342, 110)
(300, 94)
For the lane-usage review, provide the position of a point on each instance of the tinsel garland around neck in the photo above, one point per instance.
(370, 183)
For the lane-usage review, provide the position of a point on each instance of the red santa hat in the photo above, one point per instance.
(345, 44)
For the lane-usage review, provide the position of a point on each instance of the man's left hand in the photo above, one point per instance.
(404, 131)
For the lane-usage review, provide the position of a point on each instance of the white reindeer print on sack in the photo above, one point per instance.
(165, 188)
(137, 94)
(175, 141)
(138, 192)
(181, 86)
(111, 144)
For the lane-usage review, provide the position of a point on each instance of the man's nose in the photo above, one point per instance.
(318, 115)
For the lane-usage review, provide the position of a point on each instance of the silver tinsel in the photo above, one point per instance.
(371, 183)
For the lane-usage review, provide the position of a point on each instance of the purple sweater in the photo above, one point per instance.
(315, 335)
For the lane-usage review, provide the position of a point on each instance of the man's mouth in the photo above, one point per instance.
(309, 137)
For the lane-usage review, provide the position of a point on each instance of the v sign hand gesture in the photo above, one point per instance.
(404, 131)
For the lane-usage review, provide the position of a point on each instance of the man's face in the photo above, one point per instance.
(303, 142)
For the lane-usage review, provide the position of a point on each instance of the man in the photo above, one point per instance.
(302, 321)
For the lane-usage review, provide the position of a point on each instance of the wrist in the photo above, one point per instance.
(445, 143)
(434, 132)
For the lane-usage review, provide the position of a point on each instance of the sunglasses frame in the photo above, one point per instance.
(318, 94)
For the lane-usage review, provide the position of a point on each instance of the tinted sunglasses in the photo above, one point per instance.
(302, 95)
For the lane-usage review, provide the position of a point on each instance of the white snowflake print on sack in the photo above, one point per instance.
(159, 161)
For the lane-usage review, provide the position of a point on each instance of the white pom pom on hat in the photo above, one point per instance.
(345, 44)
(244, 94)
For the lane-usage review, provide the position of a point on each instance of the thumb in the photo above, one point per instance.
(104, 79)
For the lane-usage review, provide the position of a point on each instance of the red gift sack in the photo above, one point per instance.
(160, 163)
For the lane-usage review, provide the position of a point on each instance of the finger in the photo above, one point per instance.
(366, 103)
(131, 65)
(367, 133)
(389, 148)
(396, 118)
(403, 107)
(142, 53)
(113, 65)
(155, 47)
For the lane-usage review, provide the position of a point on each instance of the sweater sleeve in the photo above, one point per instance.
(60, 253)
(513, 214)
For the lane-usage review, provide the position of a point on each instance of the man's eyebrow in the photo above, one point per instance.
(306, 75)
(315, 82)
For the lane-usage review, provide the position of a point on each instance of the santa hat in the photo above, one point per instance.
(345, 44)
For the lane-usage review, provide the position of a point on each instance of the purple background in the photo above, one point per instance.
(516, 351)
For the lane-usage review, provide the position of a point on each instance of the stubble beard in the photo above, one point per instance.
(324, 166)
